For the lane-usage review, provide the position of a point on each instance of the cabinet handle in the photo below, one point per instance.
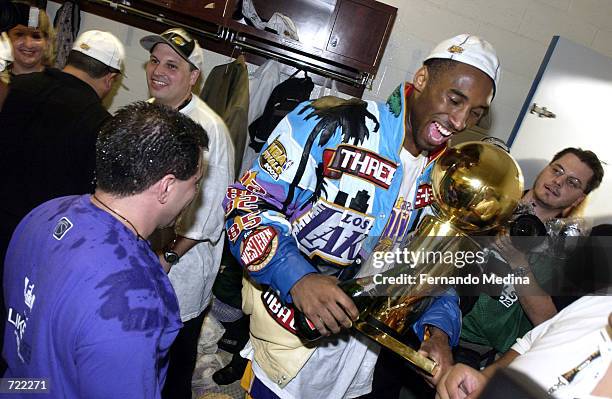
(334, 42)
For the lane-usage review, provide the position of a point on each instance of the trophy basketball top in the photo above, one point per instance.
(476, 186)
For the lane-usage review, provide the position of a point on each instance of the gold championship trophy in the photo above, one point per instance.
(476, 187)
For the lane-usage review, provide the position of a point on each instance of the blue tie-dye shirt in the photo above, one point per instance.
(89, 305)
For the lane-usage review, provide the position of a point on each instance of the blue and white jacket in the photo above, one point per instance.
(326, 180)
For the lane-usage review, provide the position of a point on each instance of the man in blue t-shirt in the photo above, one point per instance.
(90, 309)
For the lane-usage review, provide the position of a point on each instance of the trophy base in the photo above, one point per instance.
(422, 362)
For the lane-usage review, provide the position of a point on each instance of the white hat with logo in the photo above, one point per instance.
(102, 46)
(471, 50)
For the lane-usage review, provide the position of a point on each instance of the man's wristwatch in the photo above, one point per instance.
(170, 254)
(171, 257)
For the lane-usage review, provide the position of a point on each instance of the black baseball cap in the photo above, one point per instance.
(177, 38)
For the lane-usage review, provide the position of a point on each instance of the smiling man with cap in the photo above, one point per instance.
(450, 93)
(174, 67)
(50, 121)
(329, 163)
(192, 252)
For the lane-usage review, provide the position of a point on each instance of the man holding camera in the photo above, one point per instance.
(557, 192)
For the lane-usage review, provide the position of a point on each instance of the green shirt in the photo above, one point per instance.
(499, 322)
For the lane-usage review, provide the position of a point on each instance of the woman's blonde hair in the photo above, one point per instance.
(46, 27)
(5, 77)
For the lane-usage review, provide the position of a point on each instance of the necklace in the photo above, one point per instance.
(122, 218)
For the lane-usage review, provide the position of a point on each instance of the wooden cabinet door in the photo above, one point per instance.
(360, 31)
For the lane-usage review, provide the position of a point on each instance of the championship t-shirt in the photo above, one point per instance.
(400, 215)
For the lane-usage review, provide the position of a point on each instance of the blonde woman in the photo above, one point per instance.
(33, 40)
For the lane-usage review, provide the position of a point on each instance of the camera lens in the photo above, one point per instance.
(527, 226)
(527, 232)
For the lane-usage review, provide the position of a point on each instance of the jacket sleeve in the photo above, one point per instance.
(444, 314)
(262, 205)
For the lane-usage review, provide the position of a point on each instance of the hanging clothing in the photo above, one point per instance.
(261, 83)
(284, 98)
(226, 91)
(67, 23)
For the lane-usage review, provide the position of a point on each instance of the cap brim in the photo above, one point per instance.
(148, 42)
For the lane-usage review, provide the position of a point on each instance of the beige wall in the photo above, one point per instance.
(520, 30)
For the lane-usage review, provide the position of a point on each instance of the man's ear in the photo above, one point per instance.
(420, 79)
(110, 78)
(195, 74)
(163, 188)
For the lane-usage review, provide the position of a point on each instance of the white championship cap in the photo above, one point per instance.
(177, 38)
(102, 46)
(471, 50)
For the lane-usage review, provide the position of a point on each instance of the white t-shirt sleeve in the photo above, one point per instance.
(204, 218)
(524, 343)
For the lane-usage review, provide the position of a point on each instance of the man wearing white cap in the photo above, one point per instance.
(192, 253)
(50, 121)
(291, 220)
